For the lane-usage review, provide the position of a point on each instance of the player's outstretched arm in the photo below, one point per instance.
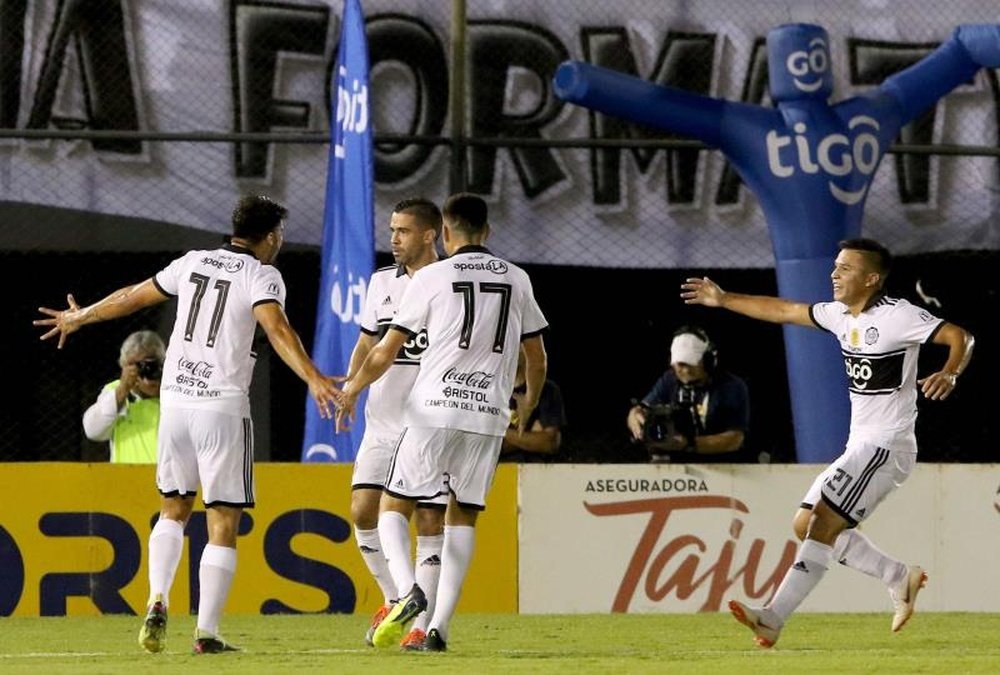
(288, 345)
(706, 292)
(938, 386)
(360, 352)
(122, 302)
(379, 359)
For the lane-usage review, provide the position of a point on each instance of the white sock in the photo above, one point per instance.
(853, 549)
(166, 543)
(459, 541)
(371, 553)
(394, 533)
(428, 564)
(215, 574)
(810, 565)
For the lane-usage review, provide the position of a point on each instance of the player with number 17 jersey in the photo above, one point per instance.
(465, 380)
(207, 365)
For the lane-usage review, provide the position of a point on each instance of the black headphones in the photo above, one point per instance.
(710, 359)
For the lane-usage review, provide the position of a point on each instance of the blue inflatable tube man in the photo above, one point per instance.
(809, 163)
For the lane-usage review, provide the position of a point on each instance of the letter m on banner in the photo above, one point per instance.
(348, 236)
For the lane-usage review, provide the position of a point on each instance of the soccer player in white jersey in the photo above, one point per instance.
(880, 338)
(415, 227)
(479, 310)
(205, 434)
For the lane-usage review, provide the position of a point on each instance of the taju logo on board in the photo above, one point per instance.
(686, 564)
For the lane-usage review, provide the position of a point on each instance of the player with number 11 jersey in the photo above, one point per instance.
(208, 364)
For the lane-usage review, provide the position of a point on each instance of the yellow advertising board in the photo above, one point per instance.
(73, 540)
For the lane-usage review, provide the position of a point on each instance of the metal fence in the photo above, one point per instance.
(128, 129)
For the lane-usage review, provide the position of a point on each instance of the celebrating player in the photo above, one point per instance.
(479, 310)
(206, 434)
(880, 338)
(415, 225)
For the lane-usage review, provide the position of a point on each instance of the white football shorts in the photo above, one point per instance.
(371, 465)
(207, 448)
(857, 481)
(430, 462)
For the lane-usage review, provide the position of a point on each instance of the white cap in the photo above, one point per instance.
(687, 348)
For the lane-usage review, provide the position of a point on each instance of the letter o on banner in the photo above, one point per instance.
(12, 578)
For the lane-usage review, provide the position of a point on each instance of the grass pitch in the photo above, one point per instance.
(576, 644)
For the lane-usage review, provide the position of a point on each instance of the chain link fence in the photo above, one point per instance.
(127, 131)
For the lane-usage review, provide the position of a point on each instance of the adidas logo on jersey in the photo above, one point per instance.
(387, 301)
(860, 513)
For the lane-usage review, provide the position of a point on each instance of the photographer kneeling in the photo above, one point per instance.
(695, 413)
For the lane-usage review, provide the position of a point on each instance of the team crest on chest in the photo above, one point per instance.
(871, 335)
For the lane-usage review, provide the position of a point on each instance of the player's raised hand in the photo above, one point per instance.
(701, 291)
(63, 321)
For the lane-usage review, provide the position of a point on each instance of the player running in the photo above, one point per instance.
(880, 338)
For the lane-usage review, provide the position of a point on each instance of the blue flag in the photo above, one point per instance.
(348, 236)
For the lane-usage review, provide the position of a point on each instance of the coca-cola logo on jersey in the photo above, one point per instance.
(476, 379)
(196, 368)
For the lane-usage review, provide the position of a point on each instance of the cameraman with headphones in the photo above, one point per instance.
(695, 412)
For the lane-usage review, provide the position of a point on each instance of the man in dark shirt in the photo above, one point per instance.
(709, 407)
(542, 435)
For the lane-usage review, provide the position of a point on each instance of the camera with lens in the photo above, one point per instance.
(666, 420)
(149, 369)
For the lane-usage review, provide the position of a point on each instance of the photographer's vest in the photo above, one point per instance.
(133, 439)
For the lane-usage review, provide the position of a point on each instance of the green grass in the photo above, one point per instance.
(574, 644)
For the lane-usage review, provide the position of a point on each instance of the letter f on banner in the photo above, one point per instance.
(348, 236)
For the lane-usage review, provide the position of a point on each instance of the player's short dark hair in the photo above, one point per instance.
(424, 210)
(876, 255)
(466, 212)
(256, 215)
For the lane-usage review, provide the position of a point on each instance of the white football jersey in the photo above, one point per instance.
(880, 348)
(210, 356)
(387, 395)
(477, 308)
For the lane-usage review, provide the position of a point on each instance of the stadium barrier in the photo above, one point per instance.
(73, 541)
(673, 538)
(589, 538)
